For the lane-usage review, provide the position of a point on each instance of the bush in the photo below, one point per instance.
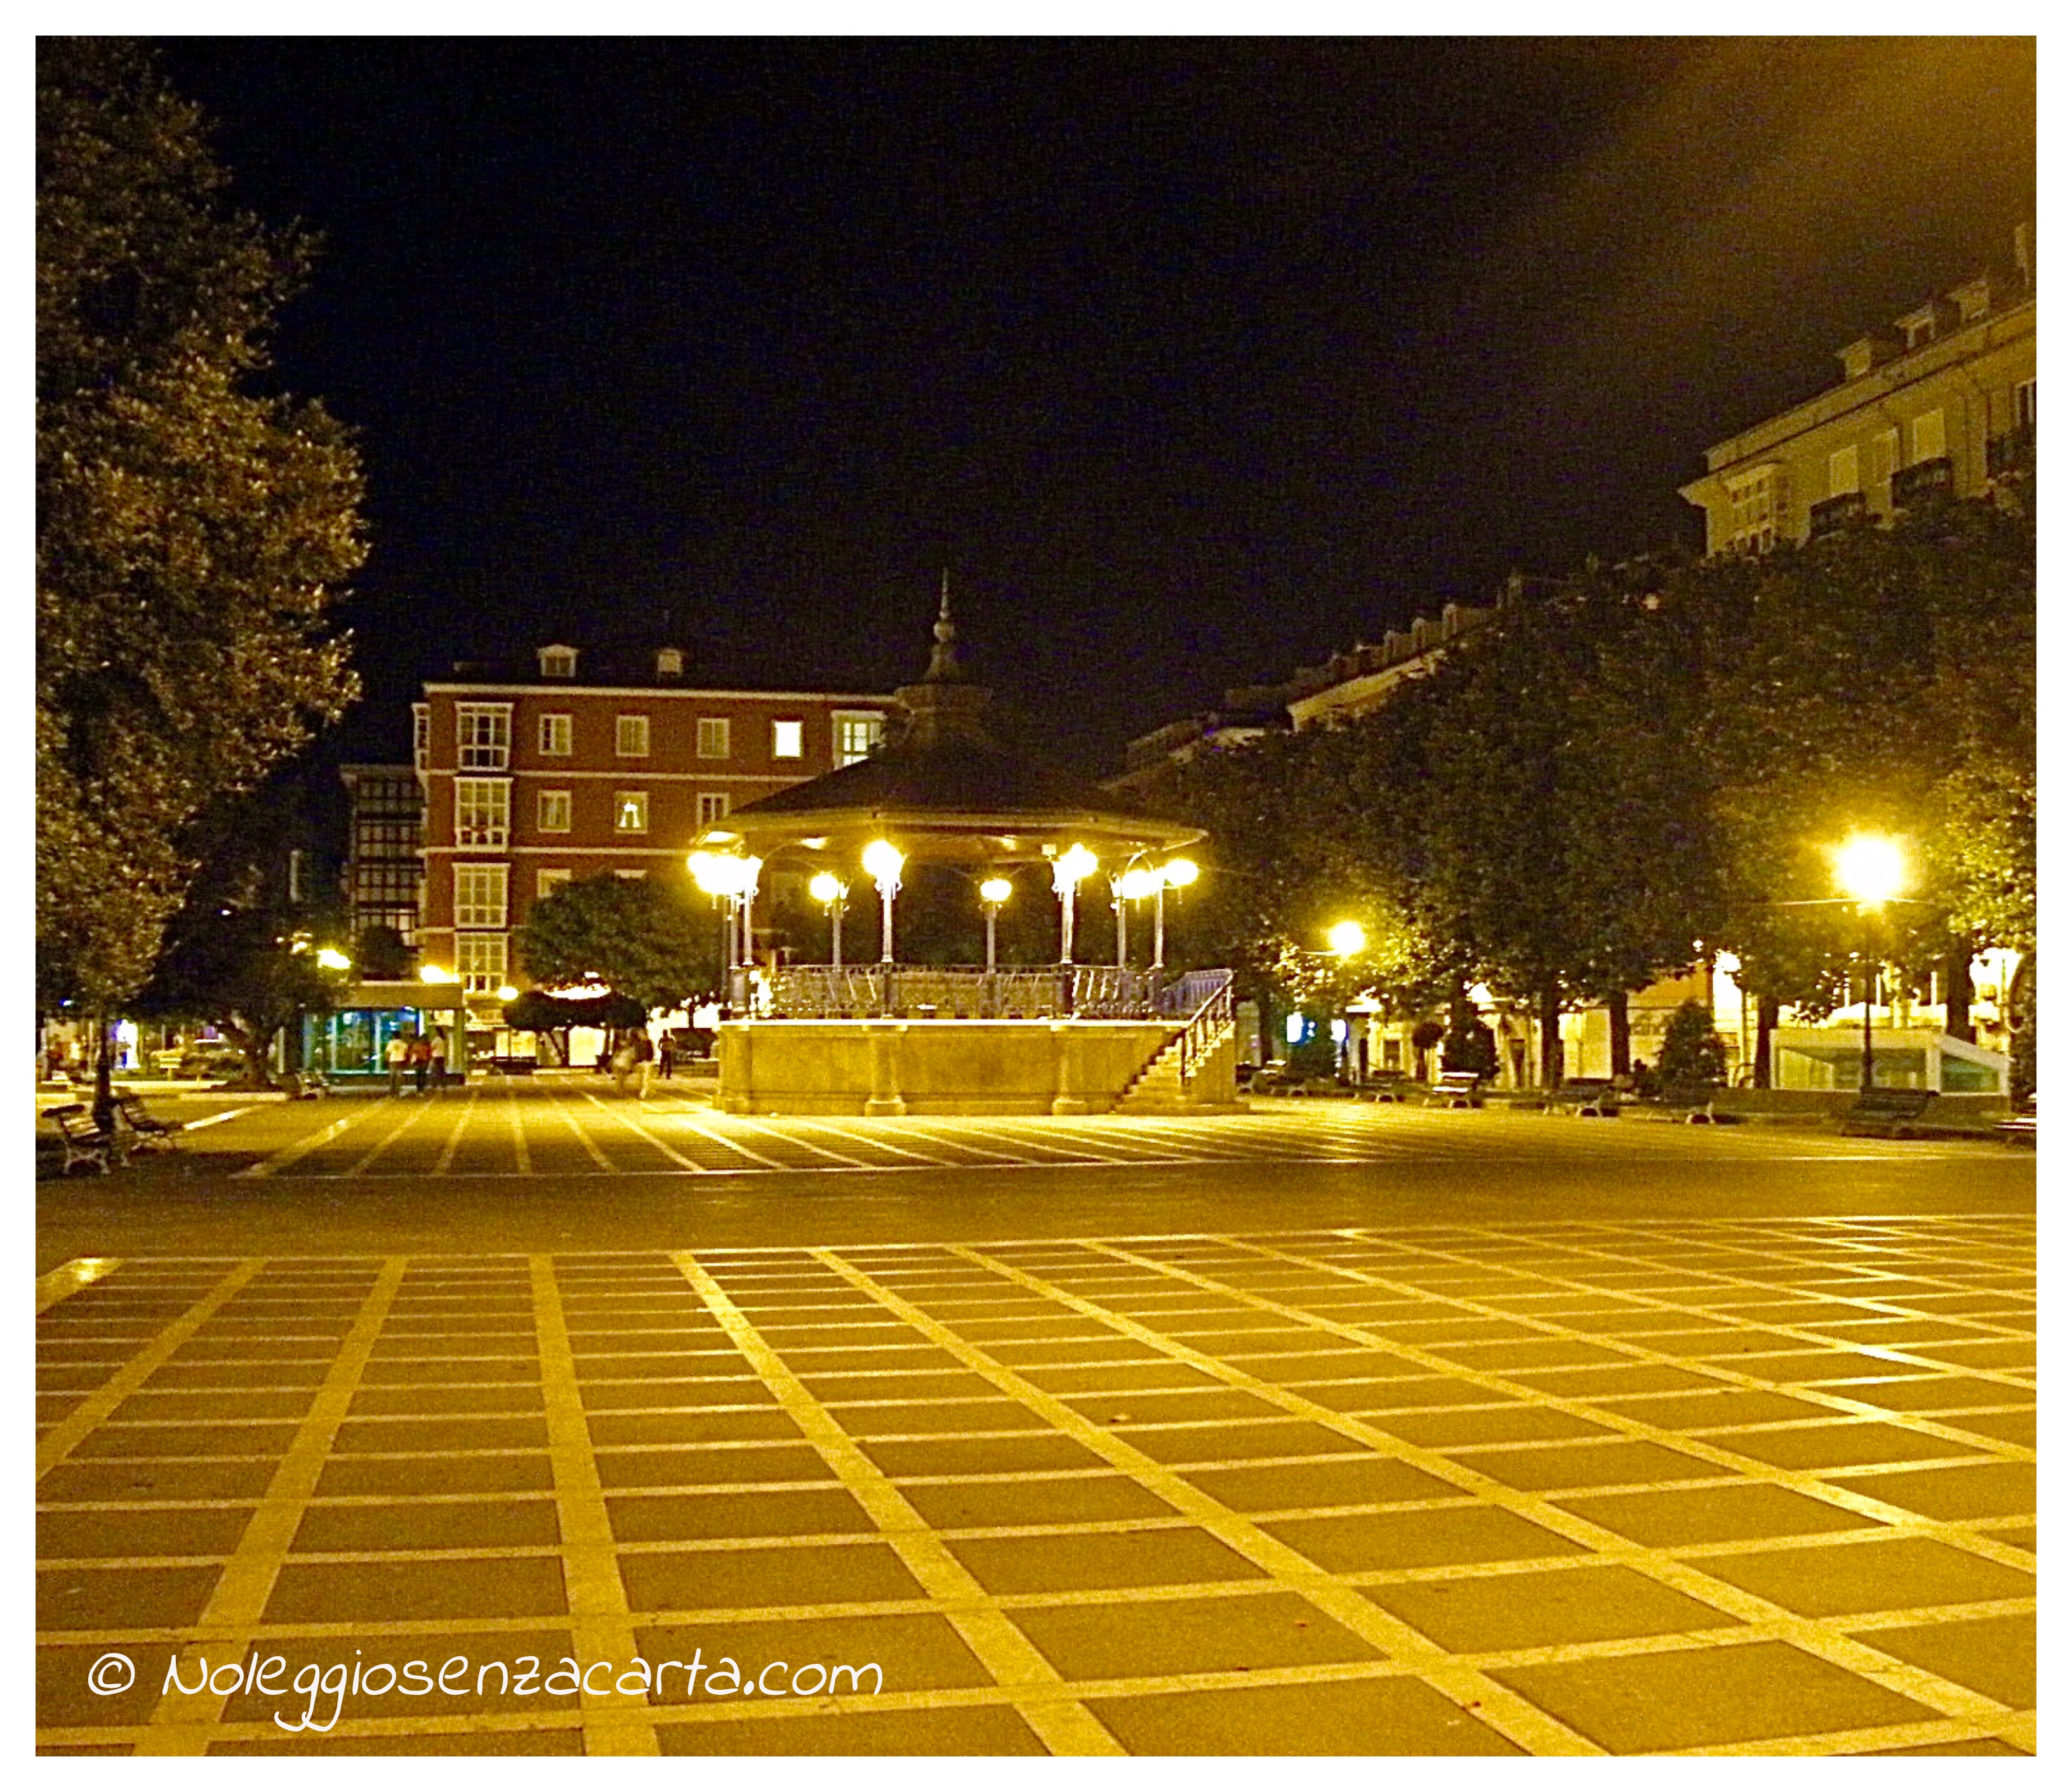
(1692, 1052)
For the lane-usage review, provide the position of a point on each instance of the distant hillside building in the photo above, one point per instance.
(578, 765)
(1942, 402)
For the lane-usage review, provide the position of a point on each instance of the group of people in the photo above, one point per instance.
(422, 1056)
(639, 1058)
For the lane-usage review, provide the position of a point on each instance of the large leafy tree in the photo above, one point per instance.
(645, 937)
(1879, 680)
(192, 529)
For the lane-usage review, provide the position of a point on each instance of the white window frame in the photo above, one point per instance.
(2025, 404)
(482, 736)
(420, 735)
(715, 737)
(619, 801)
(558, 735)
(788, 738)
(630, 737)
(1926, 438)
(1844, 472)
(549, 879)
(557, 662)
(482, 895)
(1752, 502)
(871, 721)
(713, 806)
(482, 961)
(489, 799)
(556, 811)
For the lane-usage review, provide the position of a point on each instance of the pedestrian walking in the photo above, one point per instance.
(396, 1057)
(643, 1058)
(623, 1061)
(438, 1051)
(421, 1060)
(665, 1056)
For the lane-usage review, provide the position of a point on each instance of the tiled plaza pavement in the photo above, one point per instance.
(1550, 1487)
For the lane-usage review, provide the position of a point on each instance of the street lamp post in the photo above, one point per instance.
(1132, 887)
(1871, 869)
(1065, 875)
(832, 893)
(1178, 874)
(993, 892)
(882, 860)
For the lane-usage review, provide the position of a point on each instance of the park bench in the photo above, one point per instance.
(1385, 1085)
(2019, 1127)
(1456, 1089)
(1887, 1113)
(1580, 1095)
(1696, 1100)
(150, 1132)
(84, 1141)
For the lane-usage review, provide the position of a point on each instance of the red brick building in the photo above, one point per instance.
(577, 766)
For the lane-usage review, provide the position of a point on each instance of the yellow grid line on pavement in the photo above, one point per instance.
(63, 1438)
(1511, 1716)
(183, 1723)
(1064, 1726)
(294, 1153)
(516, 1115)
(598, 1609)
(1825, 1640)
(69, 1278)
(634, 1127)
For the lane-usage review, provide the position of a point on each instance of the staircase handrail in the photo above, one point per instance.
(1208, 993)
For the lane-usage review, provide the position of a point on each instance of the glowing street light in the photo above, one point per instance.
(830, 893)
(435, 973)
(1178, 875)
(883, 861)
(728, 875)
(1347, 938)
(1065, 873)
(507, 992)
(1130, 886)
(331, 959)
(993, 892)
(1871, 869)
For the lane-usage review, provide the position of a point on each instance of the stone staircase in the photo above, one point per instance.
(1159, 1088)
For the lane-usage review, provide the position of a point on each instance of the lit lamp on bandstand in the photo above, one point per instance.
(1069, 868)
(993, 893)
(729, 875)
(1872, 870)
(830, 892)
(1176, 876)
(1131, 887)
(883, 861)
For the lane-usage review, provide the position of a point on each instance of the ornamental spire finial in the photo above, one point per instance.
(942, 661)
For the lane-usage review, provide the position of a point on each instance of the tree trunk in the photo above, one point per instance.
(1957, 993)
(1550, 1035)
(1765, 1024)
(1621, 1021)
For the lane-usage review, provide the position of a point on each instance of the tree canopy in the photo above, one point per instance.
(193, 531)
(642, 937)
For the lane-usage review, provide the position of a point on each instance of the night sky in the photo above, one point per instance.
(1192, 359)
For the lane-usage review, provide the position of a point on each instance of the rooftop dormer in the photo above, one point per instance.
(557, 662)
(668, 662)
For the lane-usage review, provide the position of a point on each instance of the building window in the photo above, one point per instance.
(668, 662)
(420, 735)
(479, 895)
(857, 732)
(556, 808)
(632, 740)
(557, 662)
(631, 877)
(294, 874)
(480, 958)
(482, 812)
(550, 880)
(630, 811)
(711, 807)
(714, 737)
(484, 734)
(1843, 474)
(1926, 433)
(1753, 512)
(2025, 405)
(787, 740)
(558, 736)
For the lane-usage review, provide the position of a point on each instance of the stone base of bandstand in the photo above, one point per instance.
(901, 1067)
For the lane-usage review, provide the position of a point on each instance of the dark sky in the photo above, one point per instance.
(1192, 359)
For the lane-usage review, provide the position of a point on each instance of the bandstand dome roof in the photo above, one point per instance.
(942, 788)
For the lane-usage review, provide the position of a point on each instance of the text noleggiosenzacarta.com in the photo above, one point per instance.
(316, 1692)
